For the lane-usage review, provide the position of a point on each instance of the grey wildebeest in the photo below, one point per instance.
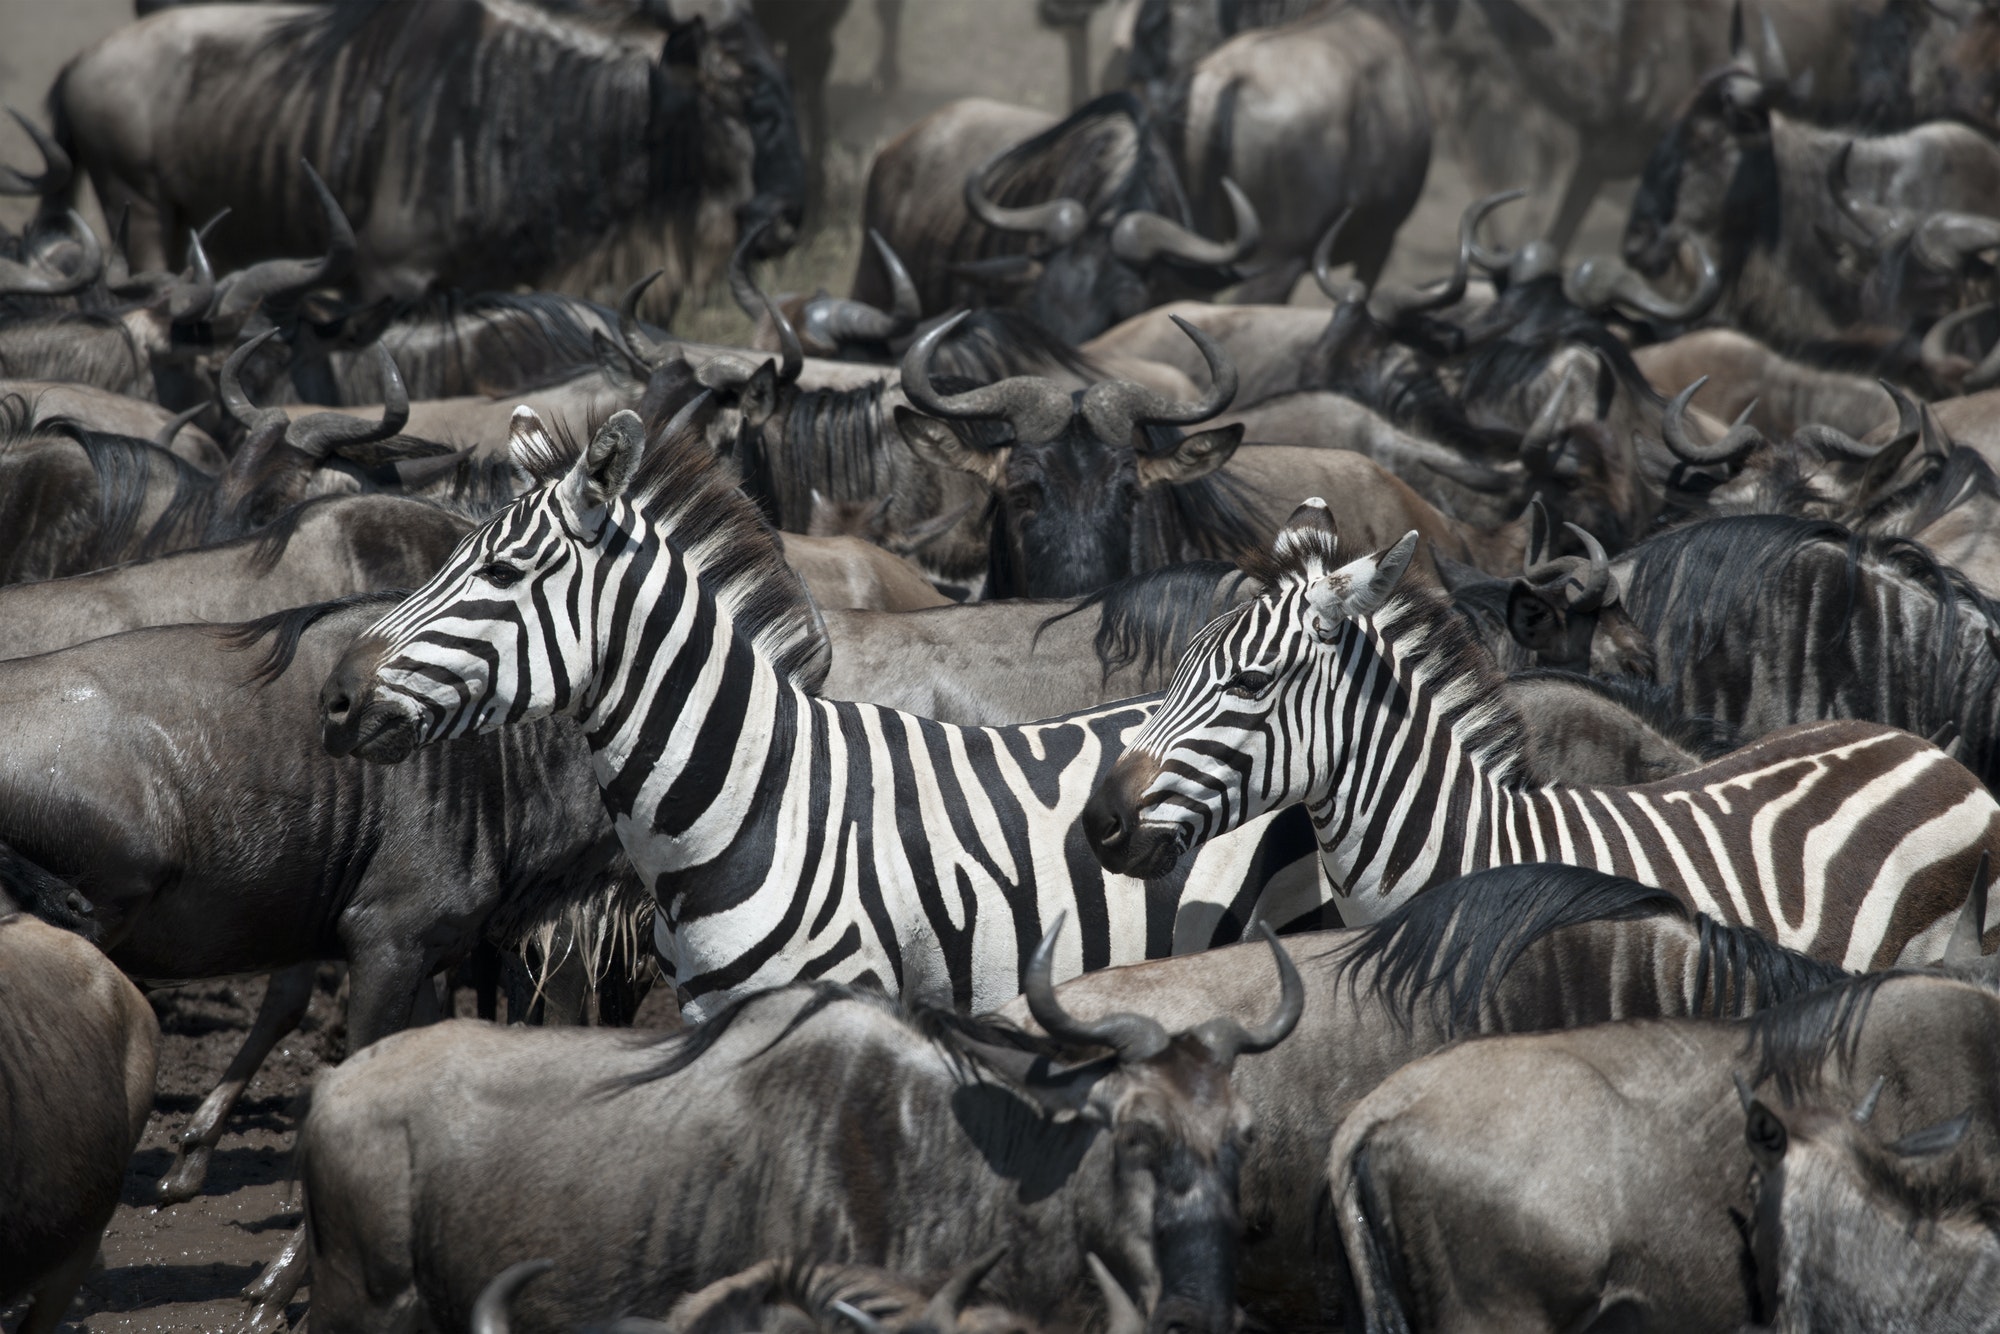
(975, 1133)
(1509, 950)
(1616, 1155)
(584, 162)
(1082, 222)
(1321, 118)
(1378, 709)
(1850, 1233)
(218, 838)
(77, 1046)
(1770, 198)
(1781, 394)
(109, 413)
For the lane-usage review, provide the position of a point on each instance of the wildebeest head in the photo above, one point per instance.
(742, 80)
(1086, 224)
(1071, 482)
(1850, 1234)
(1713, 177)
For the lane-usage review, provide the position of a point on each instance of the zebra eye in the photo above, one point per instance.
(1250, 683)
(499, 574)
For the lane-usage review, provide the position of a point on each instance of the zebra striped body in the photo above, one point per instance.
(785, 836)
(1379, 711)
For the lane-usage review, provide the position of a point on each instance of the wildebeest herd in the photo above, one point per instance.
(1160, 807)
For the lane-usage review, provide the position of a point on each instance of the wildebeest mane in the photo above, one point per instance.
(124, 468)
(1793, 1042)
(692, 494)
(451, 343)
(1453, 945)
(1649, 701)
(994, 342)
(1511, 342)
(1942, 483)
(88, 347)
(1149, 618)
(1734, 959)
(829, 440)
(286, 628)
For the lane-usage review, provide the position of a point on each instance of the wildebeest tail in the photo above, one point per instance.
(1379, 1269)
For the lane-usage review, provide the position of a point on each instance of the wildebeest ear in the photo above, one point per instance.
(606, 466)
(1765, 1134)
(1933, 1140)
(1194, 458)
(1535, 620)
(758, 397)
(937, 444)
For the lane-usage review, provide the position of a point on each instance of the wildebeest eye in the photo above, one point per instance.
(499, 574)
(1250, 683)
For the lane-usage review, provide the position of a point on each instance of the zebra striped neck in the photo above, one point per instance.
(1429, 751)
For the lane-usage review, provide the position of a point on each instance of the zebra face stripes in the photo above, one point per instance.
(506, 631)
(1246, 726)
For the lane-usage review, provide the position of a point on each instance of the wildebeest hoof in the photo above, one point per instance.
(184, 1179)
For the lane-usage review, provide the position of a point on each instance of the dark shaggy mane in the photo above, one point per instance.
(828, 440)
(452, 343)
(124, 467)
(1734, 960)
(692, 495)
(286, 628)
(1149, 618)
(1648, 701)
(1943, 482)
(995, 342)
(1793, 1042)
(1453, 945)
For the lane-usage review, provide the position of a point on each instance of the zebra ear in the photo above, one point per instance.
(606, 466)
(1309, 541)
(530, 449)
(1361, 587)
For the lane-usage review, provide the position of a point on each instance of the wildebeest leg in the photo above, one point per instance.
(1584, 180)
(382, 982)
(888, 67)
(272, 1291)
(285, 1000)
(53, 1297)
(1076, 41)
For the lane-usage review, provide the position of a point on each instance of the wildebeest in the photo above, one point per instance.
(77, 1046)
(915, 1138)
(1082, 222)
(1741, 371)
(109, 413)
(476, 146)
(1850, 1233)
(1540, 1182)
(1771, 196)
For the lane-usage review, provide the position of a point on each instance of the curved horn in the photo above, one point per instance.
(1987, 373)
(1935, 352)
(1909, 418)
(191, 297)
(1833, 440)
(245, 290)
(248, 414)
(1226, 1039)
(1595, 284)
(859, 1318)
(1035, 408)
(1944, 241)
(56, 166)
(943, 1309)
(755, 301)
(833, 321)
(1139, 237)
(1742, 437)
(324, 433)
(1495, 262)
(1058, 222)
(632, 335)
(1133, 1036)
(1116, 407)
(1123, 1315)
(1391, 304)
(489, 1313)
(1582, 581)
(1341, 294)
(164, 437)
(34, 280)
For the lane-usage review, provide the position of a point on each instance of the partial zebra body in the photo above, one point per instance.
(784, 836)
(1380, 712)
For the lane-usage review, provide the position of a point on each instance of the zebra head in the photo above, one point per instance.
(506, 631)
(1246, 726)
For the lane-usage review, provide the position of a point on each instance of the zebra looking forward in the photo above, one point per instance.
(1378, 710)
(784, 836)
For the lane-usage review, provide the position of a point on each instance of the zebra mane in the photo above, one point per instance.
(691, 495)
(1440, 650)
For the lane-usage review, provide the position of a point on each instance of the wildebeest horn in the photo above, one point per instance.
(1742, 437)
(755, 301)
(1865, 1109)
(632, 335)
(1547, 427)
(190, 297)
(1116, 407)
(1035, 408)
(1945, 240)
(1123, 1315)
(489, 1312)
(325, 433)
(1833, 440)
(164, 437)
(1058, 222)
(1582, 581)
(248, 414)
(243, 291)
(1935, 352)
(33, 280)
(1987, 373)
(1879, 227)
(944, 1307)
(1391, 304)
(1594, 284)
(832, 321)
(1140, 237)
(1135, 1037)
(860, 1319)
(56, 166)
(1226, 1039)
(1908, 416)
(1493, 261)
(1341, 294)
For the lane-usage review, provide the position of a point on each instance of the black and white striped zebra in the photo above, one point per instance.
(785, 836)
(1376, 708)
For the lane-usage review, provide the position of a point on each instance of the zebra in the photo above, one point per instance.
(1378, 709)
(784, 836)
